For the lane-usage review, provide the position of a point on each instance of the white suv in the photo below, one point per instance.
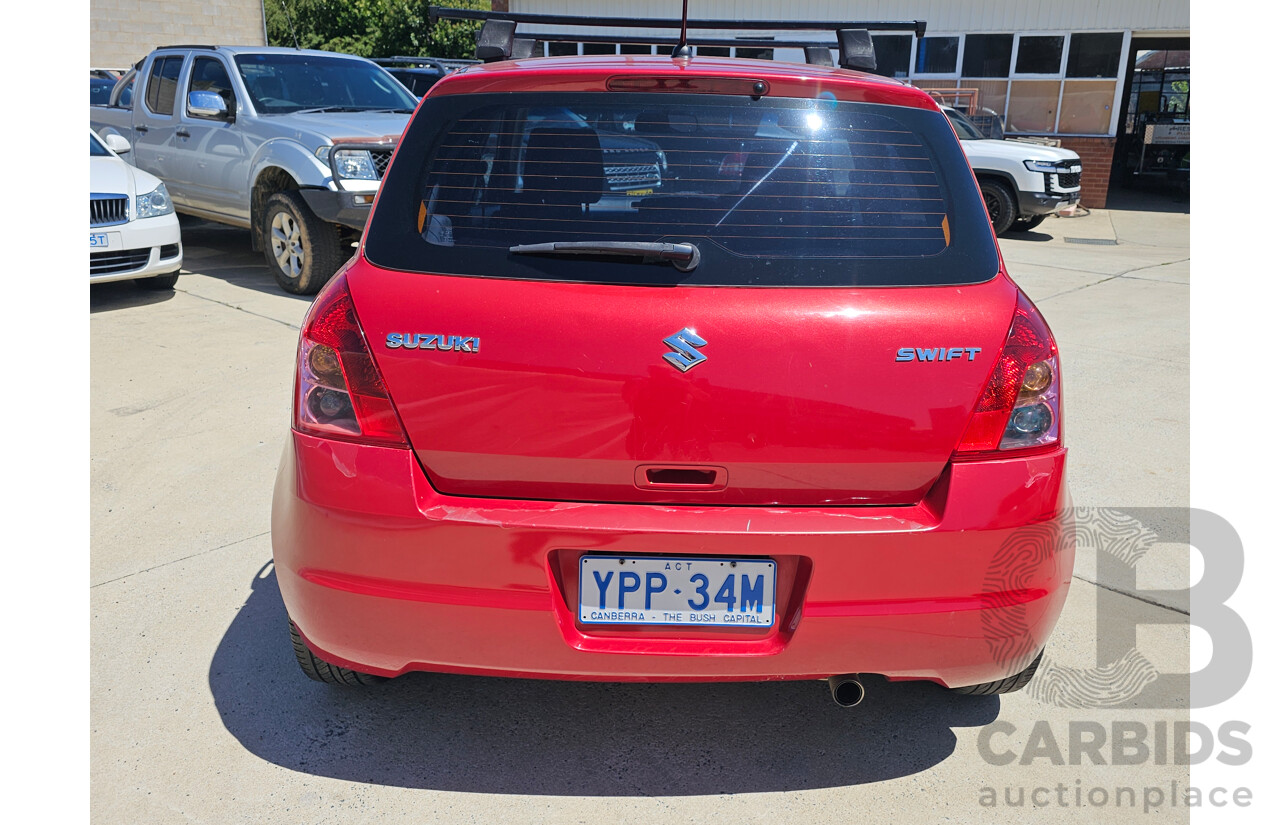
(1022, 182)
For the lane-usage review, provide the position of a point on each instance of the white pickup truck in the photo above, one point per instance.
(1022, 183)
(290, 144)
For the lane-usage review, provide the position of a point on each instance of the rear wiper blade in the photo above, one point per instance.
(683, 256)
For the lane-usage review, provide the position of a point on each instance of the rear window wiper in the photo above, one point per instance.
(683, 256)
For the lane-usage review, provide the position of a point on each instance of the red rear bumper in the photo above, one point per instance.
(384, 575)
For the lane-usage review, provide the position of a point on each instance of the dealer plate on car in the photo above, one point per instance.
(664, 590)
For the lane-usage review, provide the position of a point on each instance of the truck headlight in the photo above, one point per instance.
(155, 203)
(354, 164)
(1041, 166)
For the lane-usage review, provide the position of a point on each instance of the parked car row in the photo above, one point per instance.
(290, 144)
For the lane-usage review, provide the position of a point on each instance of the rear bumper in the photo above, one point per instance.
(384, 575)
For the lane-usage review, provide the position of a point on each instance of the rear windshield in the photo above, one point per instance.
(771, 192)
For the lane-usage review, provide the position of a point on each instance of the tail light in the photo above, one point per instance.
(340, 393)
(1021, 406)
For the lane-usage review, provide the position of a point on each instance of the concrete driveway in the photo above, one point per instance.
(200, 714)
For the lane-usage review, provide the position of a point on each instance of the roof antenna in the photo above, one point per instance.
(682, 49)
(294, 31)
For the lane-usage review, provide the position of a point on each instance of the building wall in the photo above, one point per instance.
(941, 15)
(122, 32)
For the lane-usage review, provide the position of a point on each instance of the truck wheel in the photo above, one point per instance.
(1027, 224)
(1000, 205)
(322, 671)
(1014, 683)
(302, 251)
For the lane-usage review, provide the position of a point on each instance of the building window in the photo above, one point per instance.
(599, 48)
(937, 55)
(1095, 55)
(1039, 54)
(987, 55)
(1086, 107)
(893, 55)
(1033, 106)
(636, 48)
(712, 51)
(559, 49)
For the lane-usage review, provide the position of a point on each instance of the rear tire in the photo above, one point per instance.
(1001, 206)
(1027, 224)
(158, 283)
(322, 671)
(1014, 683)
(302, 251)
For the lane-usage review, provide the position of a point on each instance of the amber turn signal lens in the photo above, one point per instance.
(1039, 376)
(325, 365)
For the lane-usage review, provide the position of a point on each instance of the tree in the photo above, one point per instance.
(372, 28)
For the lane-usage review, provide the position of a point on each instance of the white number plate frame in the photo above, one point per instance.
(699, 591)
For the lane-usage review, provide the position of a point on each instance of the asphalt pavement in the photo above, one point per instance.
(200, 714)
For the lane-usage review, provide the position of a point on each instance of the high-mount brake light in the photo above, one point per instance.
(1021, 405)
(690, 85)
(340, 392)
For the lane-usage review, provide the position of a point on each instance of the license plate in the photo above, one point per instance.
(661, 590)
(98, 239)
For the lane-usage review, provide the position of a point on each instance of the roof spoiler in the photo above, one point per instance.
(497, 40)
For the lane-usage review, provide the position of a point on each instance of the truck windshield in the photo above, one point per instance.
(284, 83)
(772, 192)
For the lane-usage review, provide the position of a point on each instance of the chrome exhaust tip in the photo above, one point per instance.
(846, 691)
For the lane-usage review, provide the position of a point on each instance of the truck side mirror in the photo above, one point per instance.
(117, 143)
(208, 105)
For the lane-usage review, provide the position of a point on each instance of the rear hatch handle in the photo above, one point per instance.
(681, 477)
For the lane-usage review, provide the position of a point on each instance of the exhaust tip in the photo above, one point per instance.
(846, 691)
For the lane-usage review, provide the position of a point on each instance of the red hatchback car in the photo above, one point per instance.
(675, 370)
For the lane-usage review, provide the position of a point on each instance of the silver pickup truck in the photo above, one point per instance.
(290, 144)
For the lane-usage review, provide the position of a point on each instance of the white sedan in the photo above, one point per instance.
(133, 231)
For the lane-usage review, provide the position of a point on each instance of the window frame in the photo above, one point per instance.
(915, 55)
(181, 57)
(232, 105)
(1017, 50)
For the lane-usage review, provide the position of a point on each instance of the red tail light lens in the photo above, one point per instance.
(1021, 406)
(340, 391)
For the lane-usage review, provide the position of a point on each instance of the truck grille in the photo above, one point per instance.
(126, 260)
(108, 210)
(1068, 176)
(381, 160)
(632, 175)
(631, 169)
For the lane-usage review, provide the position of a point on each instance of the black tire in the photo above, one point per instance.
(302, 251)
(1027, 224)
(322, 671)
(1014, 683)
(1001, 207)
(159, 283)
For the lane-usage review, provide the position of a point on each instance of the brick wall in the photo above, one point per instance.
(122, 32)
(1095, 156)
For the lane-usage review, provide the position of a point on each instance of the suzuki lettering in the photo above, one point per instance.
(444, 343)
